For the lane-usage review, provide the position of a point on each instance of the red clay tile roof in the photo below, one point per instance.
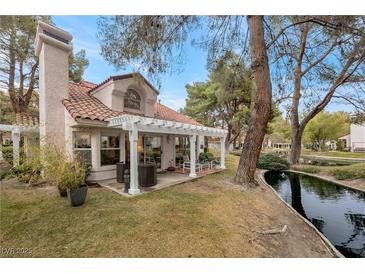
(26, 119)
(166, 113)
(81, 104)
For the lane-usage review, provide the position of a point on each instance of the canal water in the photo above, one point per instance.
(336, 211)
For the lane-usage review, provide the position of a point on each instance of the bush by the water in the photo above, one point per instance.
(307, 168)
(352, 172)
(272, 162)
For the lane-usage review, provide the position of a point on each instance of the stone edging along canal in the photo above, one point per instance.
(327, 243)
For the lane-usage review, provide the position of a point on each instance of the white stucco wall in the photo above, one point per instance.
(53, 82)
(357, 136)
(112, 95)
(104, 94)
(53, 86)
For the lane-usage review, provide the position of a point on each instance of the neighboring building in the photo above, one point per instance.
(355, 140)
(277, 142)
(332, 145)
(117, 120)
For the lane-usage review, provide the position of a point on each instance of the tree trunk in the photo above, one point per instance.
(346, 72)
(262, 104)
(296, 145)
(228, 137)
(296, 129)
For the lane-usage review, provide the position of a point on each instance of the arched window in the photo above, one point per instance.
(132, 99)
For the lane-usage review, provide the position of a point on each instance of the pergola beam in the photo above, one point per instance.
(148, 124)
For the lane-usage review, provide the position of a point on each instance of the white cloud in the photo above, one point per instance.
(92, 48)
(172, 100)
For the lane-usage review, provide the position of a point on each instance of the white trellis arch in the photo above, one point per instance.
(16, 131)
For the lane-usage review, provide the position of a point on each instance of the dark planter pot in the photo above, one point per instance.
(62, 191)
(147, 175)
(77, 196)
(123, 171)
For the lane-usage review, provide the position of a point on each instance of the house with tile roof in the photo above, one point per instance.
(117, 120)
(355, 140)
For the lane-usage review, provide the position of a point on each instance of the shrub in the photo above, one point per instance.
(356, 171)
(4, 174)
(341, 174)
(308, 169)
(204, 156)
(8, 154)
(70, 174)
(27, 173)
(29, 170)
(272, 162)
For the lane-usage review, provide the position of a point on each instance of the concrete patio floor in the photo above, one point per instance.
(166, 179)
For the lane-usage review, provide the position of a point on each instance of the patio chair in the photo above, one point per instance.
(210, 162)
(186, 164)
(180, 159)
(214, 161)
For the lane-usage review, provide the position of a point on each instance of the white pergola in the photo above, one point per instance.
(16, 130)
(134, 124)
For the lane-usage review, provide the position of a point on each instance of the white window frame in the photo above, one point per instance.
(74, 148)
(108, 134)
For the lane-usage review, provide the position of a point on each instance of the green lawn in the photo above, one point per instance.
(207, 217)
(341, 154)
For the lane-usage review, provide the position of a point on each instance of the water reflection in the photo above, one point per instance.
(296, 194)
(337, 211)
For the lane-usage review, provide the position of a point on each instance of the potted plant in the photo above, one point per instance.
(53, 163)
(72, 176)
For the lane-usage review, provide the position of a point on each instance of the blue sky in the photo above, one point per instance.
(172, 91)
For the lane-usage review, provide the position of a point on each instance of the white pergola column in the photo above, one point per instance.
(15, 137)
(192, 155)
(122, 147)
(223, 152)
(95, 149)
(133, 141)
(200, 144)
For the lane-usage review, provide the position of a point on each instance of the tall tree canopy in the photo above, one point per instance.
(19, 65)
(326, 126)
(77, 65)
(279, 129)
(317, 59)
(156, 45)
(225, 99)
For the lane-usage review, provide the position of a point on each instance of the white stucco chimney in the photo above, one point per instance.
(53, 47)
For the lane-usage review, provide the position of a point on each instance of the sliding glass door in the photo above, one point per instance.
(152, 150)
(182, 150)
(149, 149)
